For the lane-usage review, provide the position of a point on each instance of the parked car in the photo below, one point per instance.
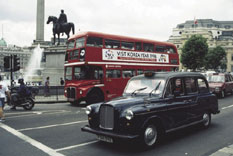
(221, 83)
(153, 104)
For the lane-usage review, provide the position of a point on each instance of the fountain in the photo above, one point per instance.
(33, 69)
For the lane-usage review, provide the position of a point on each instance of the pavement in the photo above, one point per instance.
(226, 151)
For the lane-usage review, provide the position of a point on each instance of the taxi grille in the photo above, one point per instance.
(106, 117)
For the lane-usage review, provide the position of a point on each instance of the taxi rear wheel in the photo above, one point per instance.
(206, 120)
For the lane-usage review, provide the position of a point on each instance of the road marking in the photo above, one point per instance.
(49, 126)
(33, 142)
(34, 113)
(75, 146)
(227, 107)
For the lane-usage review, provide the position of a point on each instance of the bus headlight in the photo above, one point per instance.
(88, 110)
(129, 114)
(65, 91)
(80, 92)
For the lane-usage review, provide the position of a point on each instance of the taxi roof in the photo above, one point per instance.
(167, 75)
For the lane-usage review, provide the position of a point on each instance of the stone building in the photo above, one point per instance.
(23, 54)
(218, 33)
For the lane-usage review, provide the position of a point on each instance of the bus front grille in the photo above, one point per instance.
(71, 93)
(106, 117)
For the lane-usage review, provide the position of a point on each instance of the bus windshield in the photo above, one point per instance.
(87, 73)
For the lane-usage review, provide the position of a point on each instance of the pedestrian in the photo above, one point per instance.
(62, 82)
(46, 91)
(3, 91)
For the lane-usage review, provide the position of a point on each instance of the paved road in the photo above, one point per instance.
(54, 129)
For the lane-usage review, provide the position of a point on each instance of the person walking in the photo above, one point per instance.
(3, 91)
(62, 82)
(47, 87)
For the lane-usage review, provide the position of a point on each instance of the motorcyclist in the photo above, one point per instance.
(22, 91)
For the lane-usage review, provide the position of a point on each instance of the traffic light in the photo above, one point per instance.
(16, 63)
(7, 62)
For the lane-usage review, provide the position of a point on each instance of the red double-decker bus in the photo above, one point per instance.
(98, 65)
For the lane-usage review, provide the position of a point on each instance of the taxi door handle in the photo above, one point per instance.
(187, 101)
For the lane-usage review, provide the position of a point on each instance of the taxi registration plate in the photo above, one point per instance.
(105, 138)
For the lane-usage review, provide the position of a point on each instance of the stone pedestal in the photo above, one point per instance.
(53, 64)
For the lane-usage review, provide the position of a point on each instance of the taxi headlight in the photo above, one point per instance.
(129, 115)
(88, 110)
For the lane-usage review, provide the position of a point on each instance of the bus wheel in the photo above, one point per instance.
(94, 96)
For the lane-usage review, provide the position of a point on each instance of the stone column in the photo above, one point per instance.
(40, 21)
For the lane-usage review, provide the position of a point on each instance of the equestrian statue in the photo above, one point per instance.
(60, 25)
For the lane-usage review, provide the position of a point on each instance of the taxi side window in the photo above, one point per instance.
(178, 86)
(175, 86)
(202, 85)
(190, 85)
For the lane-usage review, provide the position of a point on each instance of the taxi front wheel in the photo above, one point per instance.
(149, 136)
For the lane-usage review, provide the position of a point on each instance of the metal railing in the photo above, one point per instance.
(55, 94)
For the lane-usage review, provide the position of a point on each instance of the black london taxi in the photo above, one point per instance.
(153, 104)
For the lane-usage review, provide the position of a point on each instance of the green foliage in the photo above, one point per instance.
(194, 52)
(216, 58)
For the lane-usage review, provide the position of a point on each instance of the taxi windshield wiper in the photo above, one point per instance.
(156, 88)
(137, 90)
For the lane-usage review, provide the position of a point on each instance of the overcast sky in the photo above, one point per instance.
(152, 19)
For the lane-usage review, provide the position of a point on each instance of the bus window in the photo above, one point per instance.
(171, 50)
(160, 49)
(149, 71)
(68, 73)
(112, 44)
(75, 56)
(113, 73)
(94, 42)
(81, 73)
(70, 44)
(139, 72)
(66, 57)
(71, 55)
(80, 42)
(138, 46)
(127, 45)
(98, 73)
(128, 73)
(148, 47)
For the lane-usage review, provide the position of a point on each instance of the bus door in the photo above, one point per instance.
(113, 83)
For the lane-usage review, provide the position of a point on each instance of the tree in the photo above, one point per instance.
(216, 58)
(194, 52)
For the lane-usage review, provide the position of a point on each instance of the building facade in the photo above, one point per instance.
(218, 33)
(23, 54)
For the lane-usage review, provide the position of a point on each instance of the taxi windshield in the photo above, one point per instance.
(145, 86)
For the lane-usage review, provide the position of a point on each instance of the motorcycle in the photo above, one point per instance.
(27, 102)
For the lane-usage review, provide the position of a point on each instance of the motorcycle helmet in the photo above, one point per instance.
(20, 80)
